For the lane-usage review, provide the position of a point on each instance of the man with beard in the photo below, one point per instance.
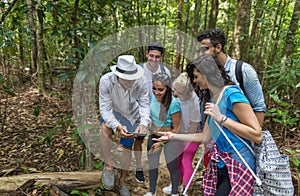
(212, 42)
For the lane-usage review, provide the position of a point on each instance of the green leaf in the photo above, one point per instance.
(78, 50)
(66, 75)
(290, 151)
(75, 192)
(36, 111)
(296, 162)
(84, 194)
(8, 91)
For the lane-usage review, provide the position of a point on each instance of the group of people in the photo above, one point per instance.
(176, 116)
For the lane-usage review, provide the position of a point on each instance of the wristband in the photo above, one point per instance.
(223, 120)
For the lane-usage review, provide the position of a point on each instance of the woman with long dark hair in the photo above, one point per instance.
(230, 110)
(165, 113)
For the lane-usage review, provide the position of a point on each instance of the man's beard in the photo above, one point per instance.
(215, 57)
(152, 66)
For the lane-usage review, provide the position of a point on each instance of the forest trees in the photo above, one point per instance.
(68, 29)
(43, 42)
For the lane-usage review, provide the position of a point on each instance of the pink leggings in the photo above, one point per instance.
(185, 162)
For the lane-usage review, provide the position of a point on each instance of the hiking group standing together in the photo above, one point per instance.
(211, 101)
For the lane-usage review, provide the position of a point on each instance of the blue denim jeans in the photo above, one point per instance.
(247, 155)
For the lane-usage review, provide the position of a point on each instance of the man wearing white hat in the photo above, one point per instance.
(124, 108)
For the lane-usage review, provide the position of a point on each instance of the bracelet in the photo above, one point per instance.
(223, 120)
(162, 144)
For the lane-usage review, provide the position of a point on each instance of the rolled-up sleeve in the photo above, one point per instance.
(253, 89)
(105, 103)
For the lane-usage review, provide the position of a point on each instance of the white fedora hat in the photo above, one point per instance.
(127, 69)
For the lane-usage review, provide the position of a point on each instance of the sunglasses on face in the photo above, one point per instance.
(202, 49)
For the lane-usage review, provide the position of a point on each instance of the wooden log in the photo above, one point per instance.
(65, 181)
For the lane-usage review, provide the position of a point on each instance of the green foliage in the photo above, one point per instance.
(98, 165)
(285, 113)
(63, 122)
(294, 156)
(46, 138)
(283, 80)
(77, 192)
(5, 86)
(98, 191)
(36, 111)
(78, 131)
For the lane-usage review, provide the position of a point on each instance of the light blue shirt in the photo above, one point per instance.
(155, 110)
(253, 89)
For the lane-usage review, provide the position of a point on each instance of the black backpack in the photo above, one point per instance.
(238, 74)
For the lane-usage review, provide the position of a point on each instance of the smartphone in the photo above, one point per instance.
(140, 134)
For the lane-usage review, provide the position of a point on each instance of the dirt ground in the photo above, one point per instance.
(37, 136)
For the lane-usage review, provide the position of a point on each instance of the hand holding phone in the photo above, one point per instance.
(139, 134)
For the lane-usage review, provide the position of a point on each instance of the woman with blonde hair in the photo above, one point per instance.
(190, 118)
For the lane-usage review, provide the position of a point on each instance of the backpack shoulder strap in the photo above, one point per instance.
(162, 68)
(239, 74)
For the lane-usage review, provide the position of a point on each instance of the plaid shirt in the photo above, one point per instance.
(241, 180)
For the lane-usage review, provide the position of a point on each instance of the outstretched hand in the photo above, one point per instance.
(165, 136)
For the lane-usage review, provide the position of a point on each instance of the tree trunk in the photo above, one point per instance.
(206, 14)
(141, 49)
(22, 59)
(186, 31)
(195, 27)
(241, 29)
(253, 56)
(178, 40)
(76, 39)
(196, 19)
(276, 37)
(289, 41)
(41, 54)
(32, 29)
(213, 14)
